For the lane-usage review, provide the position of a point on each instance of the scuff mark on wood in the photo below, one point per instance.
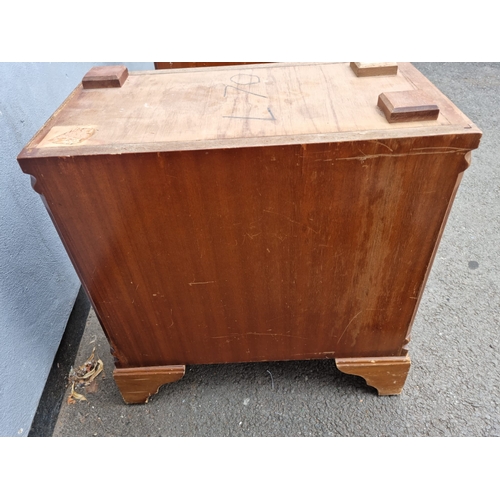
(345, 329)
(292, 221)
(385, 145)
(397, 155)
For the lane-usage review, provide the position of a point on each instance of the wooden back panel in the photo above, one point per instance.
(256, 253)
(205, 232)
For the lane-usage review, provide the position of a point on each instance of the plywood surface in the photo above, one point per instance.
(209, 108)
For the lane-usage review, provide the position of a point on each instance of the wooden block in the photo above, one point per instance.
(407, 106)
(374, 69)
(104, 77)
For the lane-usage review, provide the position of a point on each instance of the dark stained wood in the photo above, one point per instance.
(179, 65)
(374, 69)
(102, 77)
(387, 375)
(238, 244)
(137, 385)
(407, 106)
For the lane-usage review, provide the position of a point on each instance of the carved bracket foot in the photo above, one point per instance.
(387, 375)
(138, 384)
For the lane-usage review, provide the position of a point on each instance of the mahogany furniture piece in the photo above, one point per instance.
(242, 214)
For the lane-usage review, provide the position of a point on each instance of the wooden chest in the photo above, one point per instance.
(260, 212)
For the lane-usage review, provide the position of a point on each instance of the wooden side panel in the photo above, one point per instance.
(253, 254)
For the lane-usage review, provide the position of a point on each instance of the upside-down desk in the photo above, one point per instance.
(261, 212)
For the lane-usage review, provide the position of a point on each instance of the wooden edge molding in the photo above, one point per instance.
(386, 374)
(138, 384)
(468, 159)
(374, 69)
(407, 106)
(105, 77)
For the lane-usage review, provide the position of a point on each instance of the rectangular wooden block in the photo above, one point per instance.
(407, 106)
(102, 77)
(261, 212)
(374, 69)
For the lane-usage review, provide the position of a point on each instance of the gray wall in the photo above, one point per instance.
(38, 284)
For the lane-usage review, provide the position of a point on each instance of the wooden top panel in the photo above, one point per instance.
(255, 105)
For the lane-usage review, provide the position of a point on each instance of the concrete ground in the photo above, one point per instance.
(453, 388)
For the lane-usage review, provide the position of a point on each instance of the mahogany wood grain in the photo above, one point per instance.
(374, 69)
(387, 375)
(254, 254)
(205, 230)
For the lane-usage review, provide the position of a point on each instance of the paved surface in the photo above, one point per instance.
(453, 387)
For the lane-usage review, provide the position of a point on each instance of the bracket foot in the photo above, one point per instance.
(138, 384)
(386, 374)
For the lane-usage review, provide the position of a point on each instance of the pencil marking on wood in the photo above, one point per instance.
(251, 82)
(242, 90)
(244, 83)
(253, 117)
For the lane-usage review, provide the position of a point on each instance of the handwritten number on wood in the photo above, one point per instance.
(242, 79)
(242, 90)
